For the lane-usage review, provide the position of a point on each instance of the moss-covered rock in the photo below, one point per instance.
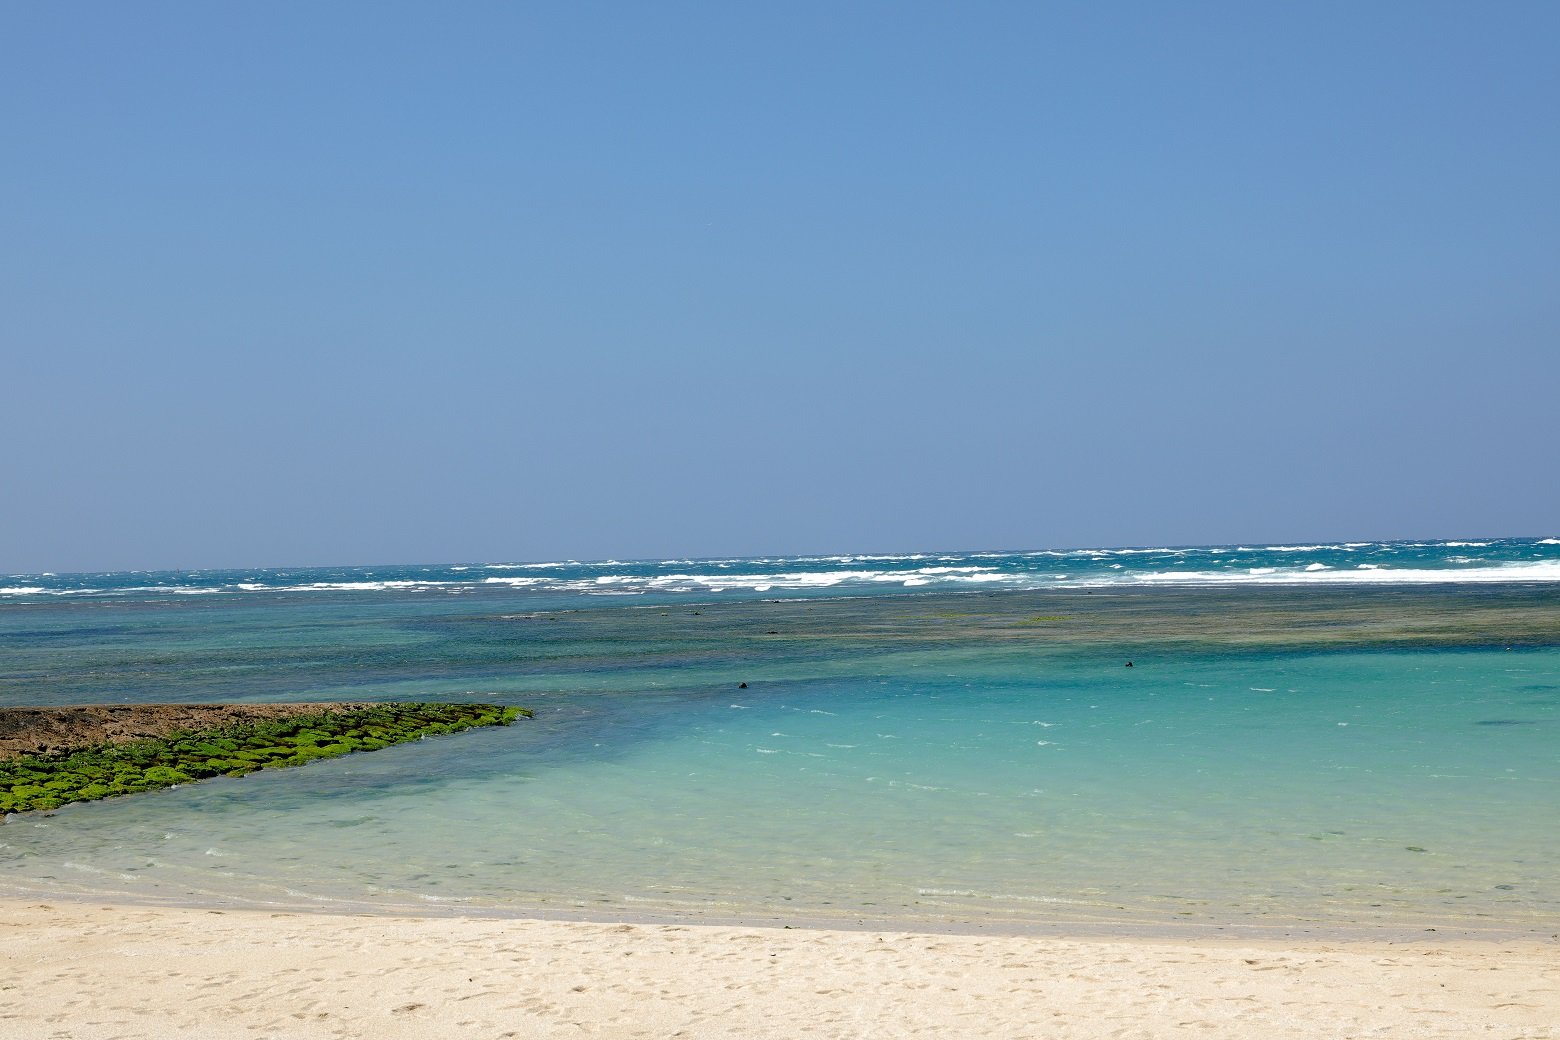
(35, 782)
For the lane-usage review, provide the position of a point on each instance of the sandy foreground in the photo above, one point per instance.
(90, 971)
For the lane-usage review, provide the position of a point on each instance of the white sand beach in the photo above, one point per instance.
(88, 971)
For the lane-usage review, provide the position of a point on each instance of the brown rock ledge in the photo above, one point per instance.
(32, 731)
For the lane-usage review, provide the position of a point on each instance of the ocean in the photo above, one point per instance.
(1343, 738)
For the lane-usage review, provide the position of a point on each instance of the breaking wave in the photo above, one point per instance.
(1374, 563)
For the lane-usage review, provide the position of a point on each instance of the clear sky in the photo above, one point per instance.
(310, 283)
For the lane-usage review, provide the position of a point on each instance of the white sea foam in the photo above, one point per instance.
(525, 566)
(850, 558)
(342, 586)
(1134, 552)
(169, 590)
(1545, 571)
(790, 580)
(858, 571)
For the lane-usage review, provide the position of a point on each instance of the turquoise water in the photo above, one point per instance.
(1376, 756)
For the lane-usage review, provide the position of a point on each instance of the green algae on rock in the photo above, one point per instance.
(50, 780)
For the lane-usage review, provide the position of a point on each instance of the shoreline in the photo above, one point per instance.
(1031, 929)
(100, 969)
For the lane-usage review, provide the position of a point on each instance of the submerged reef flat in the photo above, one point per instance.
(53, 756)
(1087, 622)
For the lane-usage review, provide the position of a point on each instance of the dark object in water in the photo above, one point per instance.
(741, 685)
(1129, 664)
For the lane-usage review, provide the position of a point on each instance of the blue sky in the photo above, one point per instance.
(293, 283)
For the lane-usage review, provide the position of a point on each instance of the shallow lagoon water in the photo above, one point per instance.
(1276, 759)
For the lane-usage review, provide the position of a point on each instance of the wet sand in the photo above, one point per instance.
(90, 971)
